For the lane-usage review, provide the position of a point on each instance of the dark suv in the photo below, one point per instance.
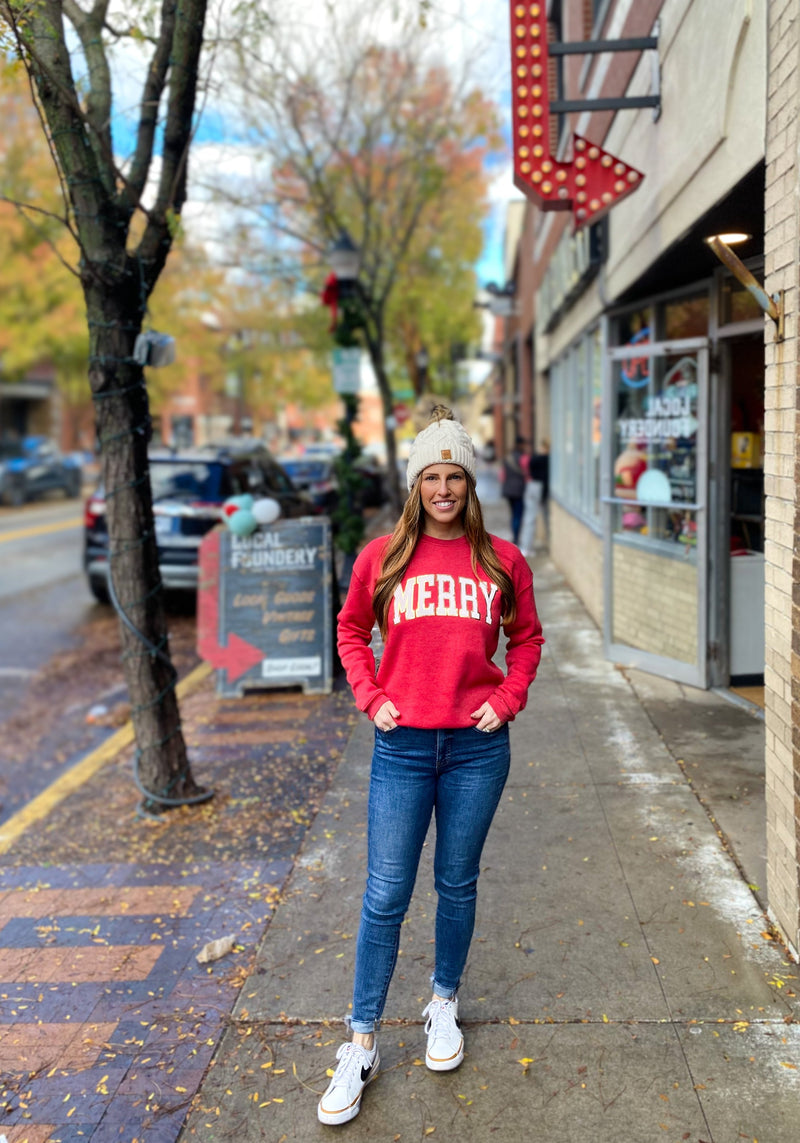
(12, 474)
(34, 467)
(189, 489)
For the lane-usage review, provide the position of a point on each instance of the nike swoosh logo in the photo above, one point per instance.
(365, 1072)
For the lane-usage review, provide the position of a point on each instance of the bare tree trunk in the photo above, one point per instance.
(123, 427)
(117, 280)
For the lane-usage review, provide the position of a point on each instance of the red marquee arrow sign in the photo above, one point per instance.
(238, 656)
(592, 181)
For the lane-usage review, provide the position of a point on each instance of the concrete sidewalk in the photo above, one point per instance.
(622, 985)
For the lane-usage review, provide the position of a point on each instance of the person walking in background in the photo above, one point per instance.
(515, 477)
(536, 499)
(441, 589)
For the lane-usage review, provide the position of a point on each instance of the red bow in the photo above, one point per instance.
(330, 298)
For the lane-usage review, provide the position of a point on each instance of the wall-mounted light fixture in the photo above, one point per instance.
(771, 304)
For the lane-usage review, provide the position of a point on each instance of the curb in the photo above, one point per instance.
(40, 806)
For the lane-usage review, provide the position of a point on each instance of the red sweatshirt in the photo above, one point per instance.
(444, 627)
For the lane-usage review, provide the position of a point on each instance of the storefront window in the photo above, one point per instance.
(737, 303)
(576, 383)
(579, 362)
(595, 351)
(635, 328)
(557, 444)
(655, 446)
(569, 412)
(686, 318)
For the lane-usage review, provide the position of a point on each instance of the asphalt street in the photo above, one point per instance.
(43, 595)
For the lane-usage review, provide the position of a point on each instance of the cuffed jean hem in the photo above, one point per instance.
(444, 991)
(363, 1027)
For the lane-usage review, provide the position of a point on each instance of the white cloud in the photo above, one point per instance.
(459, 31)
(501, 186)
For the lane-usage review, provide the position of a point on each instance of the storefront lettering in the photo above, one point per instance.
(264, 550)
(636, 370)
(667, 415)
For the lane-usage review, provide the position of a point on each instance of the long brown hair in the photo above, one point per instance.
(405, 537)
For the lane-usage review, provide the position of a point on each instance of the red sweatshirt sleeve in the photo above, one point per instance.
(354, 632)
(523, 647)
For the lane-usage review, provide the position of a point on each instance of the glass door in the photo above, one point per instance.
(655, 508)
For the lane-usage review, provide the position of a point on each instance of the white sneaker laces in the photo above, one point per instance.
(350, 1059)
(441, 1017)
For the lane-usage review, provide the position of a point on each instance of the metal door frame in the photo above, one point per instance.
(692, 674)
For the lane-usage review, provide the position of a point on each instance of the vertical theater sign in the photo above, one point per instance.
(593, 180)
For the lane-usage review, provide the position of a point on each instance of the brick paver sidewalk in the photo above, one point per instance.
(107, 1021)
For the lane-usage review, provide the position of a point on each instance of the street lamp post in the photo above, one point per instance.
(422, 361)
(344, 259)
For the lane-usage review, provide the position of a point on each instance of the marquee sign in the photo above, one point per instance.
(592, 181)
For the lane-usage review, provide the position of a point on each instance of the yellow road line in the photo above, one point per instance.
(40, 529)
(40, 806)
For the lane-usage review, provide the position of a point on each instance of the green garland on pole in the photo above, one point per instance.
(347, 516)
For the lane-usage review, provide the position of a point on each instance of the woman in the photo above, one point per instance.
(536, 493)
(514, 483)
(440, 588)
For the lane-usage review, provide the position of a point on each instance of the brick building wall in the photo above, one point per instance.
(577, 551)
(782, 474)
(660, 620)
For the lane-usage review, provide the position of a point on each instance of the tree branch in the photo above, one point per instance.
(187, 42)
(23, 208)
(88, 26)
(42, 46)
(152, 91)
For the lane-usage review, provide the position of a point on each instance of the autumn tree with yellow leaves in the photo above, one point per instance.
(42, 316)
(377, 136)
(120, 217)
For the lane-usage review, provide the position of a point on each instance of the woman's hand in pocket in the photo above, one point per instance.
(486, 718)
(386, 715)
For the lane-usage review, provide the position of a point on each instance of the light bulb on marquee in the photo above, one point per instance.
(593, 180)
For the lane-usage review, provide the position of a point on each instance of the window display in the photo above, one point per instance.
(655, 465)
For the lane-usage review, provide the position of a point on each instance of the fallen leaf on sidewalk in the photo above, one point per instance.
(215, 949)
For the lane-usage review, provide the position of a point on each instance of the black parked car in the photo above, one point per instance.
(33, 467)
(316, 476)
(189, 489)
(374, 492)
(12, 474)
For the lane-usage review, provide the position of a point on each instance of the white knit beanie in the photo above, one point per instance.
(443, 441)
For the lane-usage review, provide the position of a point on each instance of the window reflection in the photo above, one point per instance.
(655, 446)
(738, 304)
(687, 317)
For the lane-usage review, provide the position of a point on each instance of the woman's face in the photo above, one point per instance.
(443, 492)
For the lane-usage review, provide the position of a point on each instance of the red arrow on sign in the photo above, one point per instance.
(592, 181)
(238, 656)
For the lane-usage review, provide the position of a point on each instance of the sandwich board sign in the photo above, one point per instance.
(265, 607)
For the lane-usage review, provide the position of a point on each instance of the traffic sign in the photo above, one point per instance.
(346, 370)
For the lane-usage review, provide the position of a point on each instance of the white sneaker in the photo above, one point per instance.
(342, 1100)
(445, 1042)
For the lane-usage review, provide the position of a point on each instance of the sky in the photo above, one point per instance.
(475, 27)
(486, 22)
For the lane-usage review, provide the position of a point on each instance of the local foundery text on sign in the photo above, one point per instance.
(264, 550)
(265, 607)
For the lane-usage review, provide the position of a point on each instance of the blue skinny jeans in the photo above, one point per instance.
(459, 775)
